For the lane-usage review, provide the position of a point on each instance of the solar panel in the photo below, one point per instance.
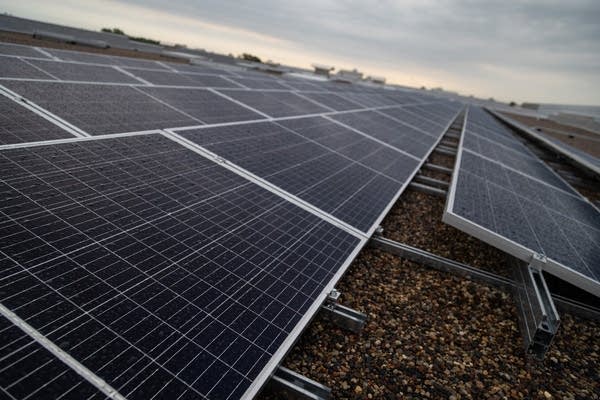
(333, 101)
(181, 79)
(357, 147)
(302, 84)
(315, 164)
(21, 51)
(524, 212)
(275, 104)
(137, 63)
(394, 133)
(20, 125)
(101, 109)
(82, 72)
(199, 69)
(28, 370)
(510, 158)
(203, 105)
(427, 125)
(77, 56)
(163, 273)
(252, 83)
(11, 67)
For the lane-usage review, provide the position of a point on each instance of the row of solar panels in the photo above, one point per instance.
(11, 23)
(580, 157)
(503, 194)
(36, 63)
(184, 263)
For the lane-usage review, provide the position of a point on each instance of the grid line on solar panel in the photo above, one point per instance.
(168, 78)
(275, 104)
(532, 168)
(67, 71)
(27, 369)
(290, 155)
(18, 124)
(101, 109)
(415, 121)
(12, 67)
(518, 157)
(199, 69)
(206, 106)
(101, 59)
(392, 133)
(300, 84)
(353, 146)
(21, 51)
(330, 109)
(123, 290)
(254, 83)
(333, 101)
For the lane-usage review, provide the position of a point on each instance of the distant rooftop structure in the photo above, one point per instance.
(322, 69)
(348, 76)
(376, 79)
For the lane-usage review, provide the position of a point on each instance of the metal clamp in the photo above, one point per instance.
(342, 316)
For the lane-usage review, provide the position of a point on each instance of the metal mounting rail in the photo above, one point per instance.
(432, 181)
(448, 149)
(428, 189)
(440, 263)
(287, 384)
(441, 150)
(466, 271)
(438, 168)
(447, 143)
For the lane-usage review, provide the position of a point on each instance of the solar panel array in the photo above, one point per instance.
(172, 229)
(506, 196)
(581, 157)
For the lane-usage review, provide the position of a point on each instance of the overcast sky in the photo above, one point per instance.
(545, 51)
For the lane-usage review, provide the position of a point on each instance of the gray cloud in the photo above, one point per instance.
(536, 50)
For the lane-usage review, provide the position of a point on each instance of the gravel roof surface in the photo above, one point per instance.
(416, 219)
(431, 335)
(441, 159)
(435, 174)
(580, 138)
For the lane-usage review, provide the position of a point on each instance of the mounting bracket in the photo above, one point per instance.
(287, 384)
(342, 316)
(538, 318)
